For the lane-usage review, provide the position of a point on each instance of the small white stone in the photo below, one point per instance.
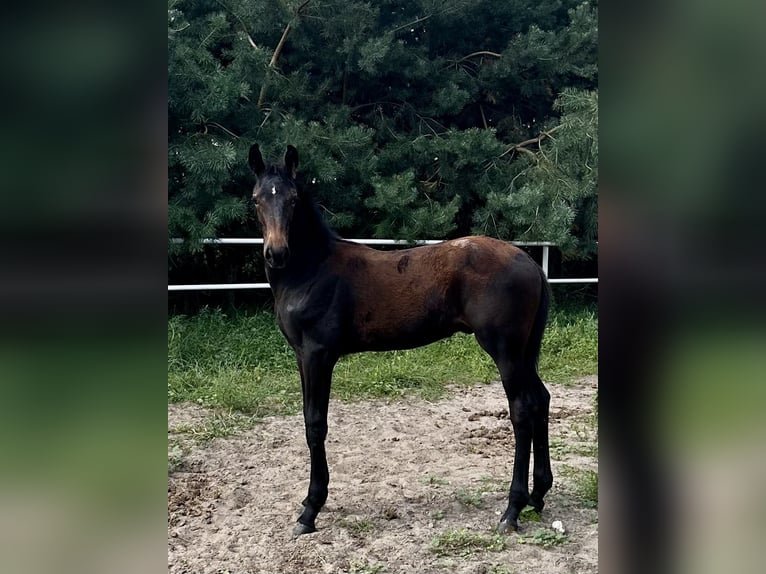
(558, 526)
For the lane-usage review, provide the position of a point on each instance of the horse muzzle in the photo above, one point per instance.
(276, 257)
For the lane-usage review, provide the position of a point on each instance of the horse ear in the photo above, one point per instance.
(255, 159)
(291, 161)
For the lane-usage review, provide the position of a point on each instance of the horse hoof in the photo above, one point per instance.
(507, 526)
(537, 505)
(301, 528)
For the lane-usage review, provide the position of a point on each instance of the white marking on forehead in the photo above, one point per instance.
(462, 243)
(273, 190)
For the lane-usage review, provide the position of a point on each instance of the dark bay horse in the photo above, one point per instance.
(334, 297)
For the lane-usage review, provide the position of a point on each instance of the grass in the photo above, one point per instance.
(570, 346)
(218, 425)
(434, 480)
(559, 448)
(529, 514)
(365, 567)
(585, 441)
(437, 514)
(463, 543)
(472, 497)
(583, 483)
(358, 527)
(176, 455)
(544, 537)
(242, 363)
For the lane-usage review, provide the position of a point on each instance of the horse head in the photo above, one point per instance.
(275, 195)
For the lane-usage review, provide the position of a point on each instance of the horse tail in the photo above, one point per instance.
(538, 327)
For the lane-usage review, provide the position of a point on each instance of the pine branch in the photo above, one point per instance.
(278, 49)
(241, 23)
(479, 53)
(522, 146)
(459, 63)
(280, 45)
(232, 134)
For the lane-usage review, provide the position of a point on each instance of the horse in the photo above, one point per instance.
(333, 297)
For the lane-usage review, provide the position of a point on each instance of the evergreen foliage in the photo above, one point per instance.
(413, 119)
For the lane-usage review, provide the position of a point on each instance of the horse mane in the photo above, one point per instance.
(315, 213)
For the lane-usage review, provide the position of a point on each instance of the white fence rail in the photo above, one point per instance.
(546, 245)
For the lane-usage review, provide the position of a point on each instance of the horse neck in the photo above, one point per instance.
(311, 243)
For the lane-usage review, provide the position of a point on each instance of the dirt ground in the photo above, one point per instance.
(402, 474)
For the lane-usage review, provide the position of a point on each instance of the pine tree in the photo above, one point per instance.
(413, 119)
(553, 195)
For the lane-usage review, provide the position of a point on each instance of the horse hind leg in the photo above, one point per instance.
(514, 375)
(543, 476)
(521, 410)
(529, 403)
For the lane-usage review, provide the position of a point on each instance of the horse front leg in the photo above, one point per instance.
(316, 370)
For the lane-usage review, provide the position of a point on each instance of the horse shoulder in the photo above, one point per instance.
(314, 313)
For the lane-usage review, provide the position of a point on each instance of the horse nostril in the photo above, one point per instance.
(269, 254)
(277, 258)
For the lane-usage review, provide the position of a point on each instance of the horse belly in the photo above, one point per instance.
(393, 331)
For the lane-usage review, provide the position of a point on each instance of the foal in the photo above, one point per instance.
(334, 297)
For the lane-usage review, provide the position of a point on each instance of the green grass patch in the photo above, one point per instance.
(365, 567)
(583, 483)
(470, 497)
(423, 372)
(529, 514)
(493, 483)
(570, 346)
(359, 527)
(242, 363)
(544, 537)
(176, 455)
(434, 480)
(464, 543)
(559, 448)
(437, 514)
(219, 425)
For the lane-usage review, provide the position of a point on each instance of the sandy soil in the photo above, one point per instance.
(401, 474)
